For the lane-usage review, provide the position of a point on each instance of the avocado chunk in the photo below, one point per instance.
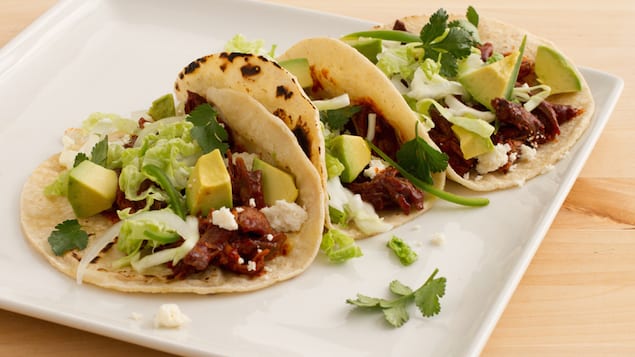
(491, 81)
(162, 107)
(554, 70)
(471, 143)
(353, 152)
(276, 184)
(300, 68)
(91, 188)
(209, 185)
(369, 47)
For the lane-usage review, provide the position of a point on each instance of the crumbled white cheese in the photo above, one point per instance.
(239, 209)
(437, 239)
(285, 216)
(224, 218)
(269, 237)
(170, 316)
(374, 167)
(251, 265)
(527, 153)
(136, 316)
(252, 202)
(494, 159)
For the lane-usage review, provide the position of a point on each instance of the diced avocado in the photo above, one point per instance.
(495, 80)
(276, 184)
(369, 47)
(162, 107)
(472, 144)
(353, 153)
(490, 81)
(91, 188)
(554, 70)
(209, 186)
(300, 68)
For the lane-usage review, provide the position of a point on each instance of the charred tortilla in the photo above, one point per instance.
(339, 69)
(249, 121)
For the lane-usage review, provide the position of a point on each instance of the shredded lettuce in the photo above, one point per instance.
(401, 61)
(339, 247)
(239, 43)
(531, 96)
(428, 83)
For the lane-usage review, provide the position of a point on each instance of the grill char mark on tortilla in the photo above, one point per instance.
(282, 91)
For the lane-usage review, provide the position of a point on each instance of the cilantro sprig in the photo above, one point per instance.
(98, 154)
(426, 298)
(443, 41)
(447, 42)
(420, 159)
(336, 119)
(207, 132)
(68, 235)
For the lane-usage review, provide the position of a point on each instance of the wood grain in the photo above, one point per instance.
(577, 297)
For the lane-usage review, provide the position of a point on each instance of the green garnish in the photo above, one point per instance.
(337, 216)
(207, 131)
(402, 250)
(336, 119)
(389, 35)
(461, 200)
(395, 311)
(446, 43)
(339, 247)
(175, 200)
(419, 158)
(68, 235)
(98, 154)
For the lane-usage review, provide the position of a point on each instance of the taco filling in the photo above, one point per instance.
(494, 98)
(183, 203)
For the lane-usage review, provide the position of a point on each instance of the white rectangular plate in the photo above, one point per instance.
(117, 56)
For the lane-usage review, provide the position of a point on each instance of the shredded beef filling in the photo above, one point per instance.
(387, 190)
(243, 251)
(516, 125)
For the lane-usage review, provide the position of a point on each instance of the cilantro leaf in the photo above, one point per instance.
(396, 315)
(68, 235)
(207, 132)
(426, 298)
(336, 119)
(397, 288)
(99, 153)
(420, 159)
(79, 158)
(472, 16)
(446, 43)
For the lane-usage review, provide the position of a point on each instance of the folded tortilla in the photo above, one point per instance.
(338, 69)
(249, 123)
(506, 38)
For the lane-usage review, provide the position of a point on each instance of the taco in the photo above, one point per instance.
(185, 217)
(283, 94)
(369, 111)
(502, 103)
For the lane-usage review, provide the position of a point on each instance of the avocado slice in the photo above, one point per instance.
(353, 152)
(554, 70)
(300, 68)
(276, 184)
(162, 107)
(495, 80)
(472, 144)
(209, 186)
(91, 188)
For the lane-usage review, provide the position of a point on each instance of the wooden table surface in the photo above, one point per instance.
(578, 295)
